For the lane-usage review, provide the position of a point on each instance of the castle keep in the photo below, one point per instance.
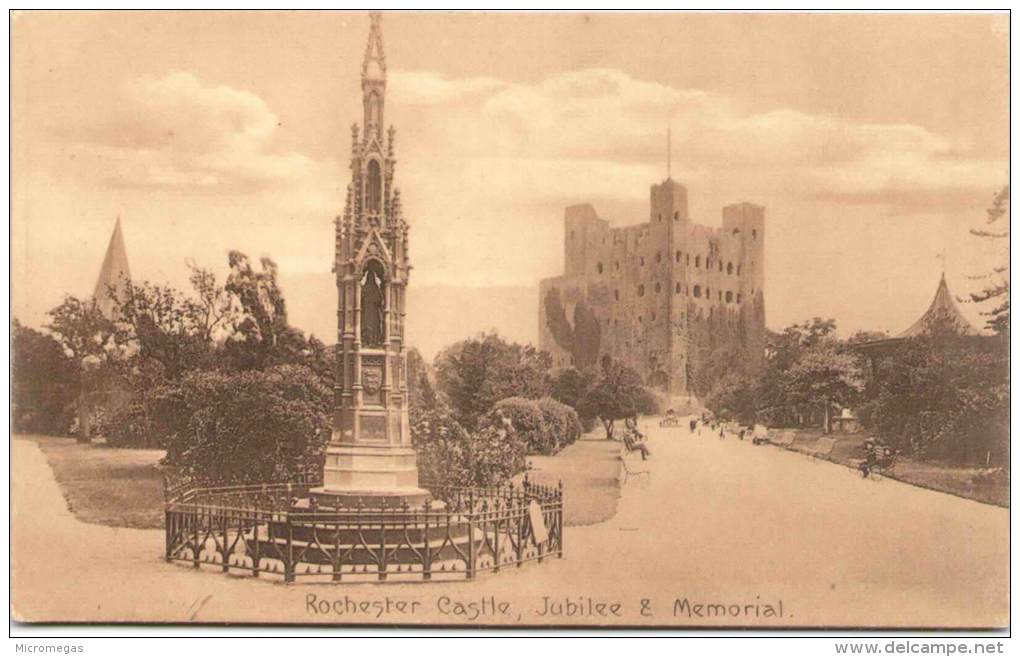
(679, 302)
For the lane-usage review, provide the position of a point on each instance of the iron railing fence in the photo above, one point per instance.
(278, 529)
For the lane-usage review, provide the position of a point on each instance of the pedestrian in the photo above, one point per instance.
(694, 424)
(722, 432)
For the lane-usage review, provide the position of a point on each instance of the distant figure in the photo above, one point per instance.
(634, 440)
(694, 424)
(743, 431)
(722, 432)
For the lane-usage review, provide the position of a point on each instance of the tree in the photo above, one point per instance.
(944, 396)
(216, 311)
(43, 382)
(243, 427)
(90, 341)
(420, 392)
(260, 326)
(826, 374)
(166, 326)
(736, 397)
(474, 374)
(996, 287)
(616, 394)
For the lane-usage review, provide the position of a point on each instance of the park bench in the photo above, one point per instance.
(822, 448)
(783, 438)
(628, 472)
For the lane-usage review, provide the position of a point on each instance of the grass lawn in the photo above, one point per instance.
(589, 470)
(104, 485)
(974, 483)
(123, 487)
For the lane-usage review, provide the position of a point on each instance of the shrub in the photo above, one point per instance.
(561, 420)
(242, 427)
(529, 423)
(450, 455)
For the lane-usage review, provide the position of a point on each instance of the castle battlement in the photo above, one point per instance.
(665, 296)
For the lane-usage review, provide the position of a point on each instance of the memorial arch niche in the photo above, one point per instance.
(373, 189)
(373, 304)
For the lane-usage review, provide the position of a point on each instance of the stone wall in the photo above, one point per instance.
(681, 303)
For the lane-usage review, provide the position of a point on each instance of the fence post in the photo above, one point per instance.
(256, 558)
(382, 545)
(426, 564)
(168, 527)
(288, 564)
(226, 541)
(559, 521)
(471, 544)
(194, 519)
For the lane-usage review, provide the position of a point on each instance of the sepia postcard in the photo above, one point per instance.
(511, 319)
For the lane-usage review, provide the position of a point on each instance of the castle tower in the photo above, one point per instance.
(370, 460)
(114, 273)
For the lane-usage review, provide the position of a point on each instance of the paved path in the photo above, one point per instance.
(714, 523)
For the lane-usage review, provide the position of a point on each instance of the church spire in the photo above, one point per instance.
(114, 273)
(373, 78)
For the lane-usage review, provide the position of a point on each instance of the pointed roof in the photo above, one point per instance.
(374, 65)
(113, 273)
(942, 309)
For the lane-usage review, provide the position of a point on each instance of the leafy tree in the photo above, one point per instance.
(43, 381)
(248, 426)
(90, 340)
(826, 374)
(450, 455)
(260, 329)
(216, 313)
(421, 394)
(944, 396)
(996, 288)
(474, 374)
(166, 326)
(734, 397)
(616, 394)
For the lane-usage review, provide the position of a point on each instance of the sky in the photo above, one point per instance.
(875, 142)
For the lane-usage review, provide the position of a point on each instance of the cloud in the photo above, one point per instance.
(608, 123)
(178, 132)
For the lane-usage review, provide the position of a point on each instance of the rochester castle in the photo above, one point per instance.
(679, 302)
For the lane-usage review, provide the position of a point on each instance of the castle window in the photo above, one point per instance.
(658, 256)
(617, 265)
(658, 288)
(729, 268)
(697, 261)
(641, 290)
(616, 294)
(736, 230)
(729, 297)
(653, 317)
(720, 265)
(740, 297)
(373, 189)
(754, 234)
(738, 270)
(678, 288)
(678, 256)
(688, 259)
(640, 319)
(719, 295)
(642, 261)
(708, 293)
(676, 216)
(599, 267)
(697, 291)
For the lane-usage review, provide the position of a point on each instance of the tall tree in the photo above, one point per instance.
(996, 282)
(90, 341)
(826, 374)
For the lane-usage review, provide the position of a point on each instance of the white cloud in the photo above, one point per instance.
(591, 119)
(178, 132)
